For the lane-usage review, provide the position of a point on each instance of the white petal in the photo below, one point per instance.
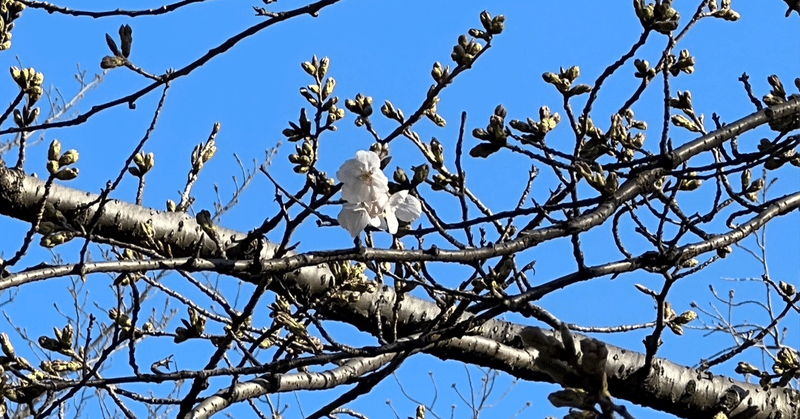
(358, 191)
(353, 218)
(406, 207)
(370, 158)
(362, 178)
(391, 222)
(350, 171)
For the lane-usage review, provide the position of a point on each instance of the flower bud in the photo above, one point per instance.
(67, 174)
(68, 158)
(54, 151)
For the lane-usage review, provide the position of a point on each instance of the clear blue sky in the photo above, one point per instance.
(386, 50)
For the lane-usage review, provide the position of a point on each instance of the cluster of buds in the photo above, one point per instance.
(143, 162)
(317, 68)
(54, 227)
(725, 12)
(465, 51)
(440, 74)
(382, 150)
(597, 145)
(23, 394)
(534, 132)
(319, 94)
(192, 328)
(388, 110)
(17, 393)
(564, 79)
(58, 366)
(57, 162)
(494, 135)
(659, 16)
(777, 95)
(120, 57)
(204, 151)
(690, 182)
(127, 278)
(236, 330)
(282, 314)
(350, 282)
(126, 325)
(676, 322)
(403, 182)
(682, 102)
(683, 63)
(778, 157)
(10, 357)
(361, 106)
(620, 133)
(10, 10)
(785, 368)
(321, 183)
(496, 279)
(299, 131)
(643, 70)
(26, 116)
(787, 361)
(605, 184)
(305, 157)
(441, 181)
(30, 82)
(491, 26)
(750, 189)
(62, 342)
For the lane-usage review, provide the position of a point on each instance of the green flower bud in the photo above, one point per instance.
(54, 151)
(420, 174)
(5, 344)
(324, 64)
(787, 288)
(330, 84)
(109, 62)
(551, 78)
(67, 174)
(309, 68)
(572, 73)
(68, 158)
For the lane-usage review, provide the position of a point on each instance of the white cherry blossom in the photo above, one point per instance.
(362, 178)
(366, 192)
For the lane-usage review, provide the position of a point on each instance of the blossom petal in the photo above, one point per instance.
(389, 222)
(353, 218)
(406, 207)
(378, 206)
(363, 179)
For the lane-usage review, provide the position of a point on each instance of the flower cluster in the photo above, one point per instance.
(366, 192)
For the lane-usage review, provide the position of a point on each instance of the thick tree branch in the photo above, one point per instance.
(667, 386)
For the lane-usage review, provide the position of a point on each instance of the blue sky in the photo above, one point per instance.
(386, 50)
